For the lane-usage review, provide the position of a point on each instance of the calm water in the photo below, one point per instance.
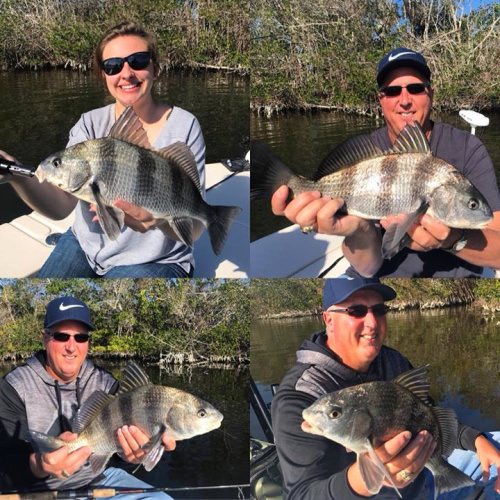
(460, 345)
(39, 108)
(303, 140)
(217, 458)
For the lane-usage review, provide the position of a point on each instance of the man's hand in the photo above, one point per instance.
(426, 233)
(59, 463)
(401, 453)
(312, 209)
(488, 455)
(132, 439)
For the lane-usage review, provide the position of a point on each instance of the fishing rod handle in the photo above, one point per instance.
(11, 167)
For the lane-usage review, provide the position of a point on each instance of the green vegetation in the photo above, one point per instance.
(280, 298)
(322, 54)
(191, 34)
(193, 320)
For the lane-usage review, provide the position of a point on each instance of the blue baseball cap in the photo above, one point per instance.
(67, 309)
(336, 290)
(400, 58)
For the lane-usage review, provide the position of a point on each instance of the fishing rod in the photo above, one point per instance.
(13, 168)
(92, 493)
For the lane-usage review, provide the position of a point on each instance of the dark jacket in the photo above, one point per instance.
(313, 466)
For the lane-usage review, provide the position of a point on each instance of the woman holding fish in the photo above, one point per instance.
(418, 240)
(347, 392)
(112, 236)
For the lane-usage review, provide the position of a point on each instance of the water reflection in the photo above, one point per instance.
(459, 344)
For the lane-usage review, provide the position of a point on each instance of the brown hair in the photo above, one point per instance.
(127, 28)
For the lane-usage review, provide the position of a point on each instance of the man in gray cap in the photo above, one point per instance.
(348, 352)
(405, 95)
(44, 394)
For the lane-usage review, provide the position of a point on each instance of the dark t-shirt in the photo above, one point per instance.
(469, 156)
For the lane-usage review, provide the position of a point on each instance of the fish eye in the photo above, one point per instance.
(56, 162)
(473, 204)
(335, 413)
(202, 413)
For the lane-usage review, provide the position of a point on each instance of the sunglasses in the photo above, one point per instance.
(81, 338)
(137, 60)
(412, 88)
(360, 310)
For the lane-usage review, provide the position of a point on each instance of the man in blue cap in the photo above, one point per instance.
(44, 395)
(348, 352)
(405, 95)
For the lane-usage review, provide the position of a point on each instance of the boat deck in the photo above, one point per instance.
(289, 253)
(26, 241)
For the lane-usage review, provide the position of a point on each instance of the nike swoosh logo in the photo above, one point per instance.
(62, 307)
(391, 57)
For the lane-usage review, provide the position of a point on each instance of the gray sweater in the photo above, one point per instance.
(31, 399)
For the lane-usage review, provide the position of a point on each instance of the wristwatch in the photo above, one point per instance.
(459, 244)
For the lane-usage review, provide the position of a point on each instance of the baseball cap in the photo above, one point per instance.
(399, 58)
(336, 290)
(67, 308)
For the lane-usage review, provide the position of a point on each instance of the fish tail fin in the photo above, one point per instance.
(447, 477)
(218, 225)
(43, 443)
(267, 171)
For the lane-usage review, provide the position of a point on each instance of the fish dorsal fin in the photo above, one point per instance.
(417, 382)
(411, 140)
(92, 406)
(348, 153)
(180, 154)
(133, 377)
(129, 128)
(448, 425)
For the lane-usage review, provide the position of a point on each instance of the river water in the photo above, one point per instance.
(459, 344)
(217, 458)
(302, 140)
(39, 108)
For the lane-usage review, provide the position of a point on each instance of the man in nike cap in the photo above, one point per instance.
(44, 395)
(405, 95)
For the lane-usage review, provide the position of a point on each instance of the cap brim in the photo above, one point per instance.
(88, 325)
(386, 291)
(403, 63)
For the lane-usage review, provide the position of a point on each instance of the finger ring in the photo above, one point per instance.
(406, 476)
(64, 473)
(307, 229)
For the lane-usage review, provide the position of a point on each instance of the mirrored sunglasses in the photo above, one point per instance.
(81, 338)
(360, 310)
(412, 88)
(137, 60)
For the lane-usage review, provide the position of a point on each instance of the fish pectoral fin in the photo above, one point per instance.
(182, 228)
(111, 219)
(373, 471)
(98, 462)
(154, 450)
(395, 237)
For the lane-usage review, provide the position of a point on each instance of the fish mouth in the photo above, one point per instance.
(310, 429)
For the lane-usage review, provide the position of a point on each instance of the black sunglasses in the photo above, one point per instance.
(412, 88)
(360, 310)
(81, 338)
(137, 60)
